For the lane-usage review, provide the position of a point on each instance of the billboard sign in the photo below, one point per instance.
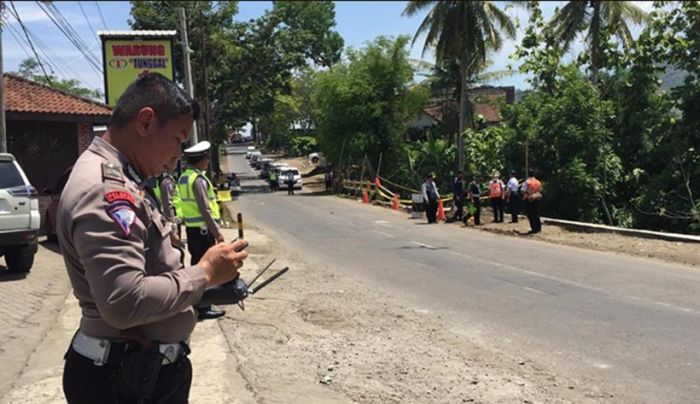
(128, 54)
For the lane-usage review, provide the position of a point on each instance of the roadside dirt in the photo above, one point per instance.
(317, 337)
(667, 251)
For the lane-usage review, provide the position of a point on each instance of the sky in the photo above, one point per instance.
(358, 22)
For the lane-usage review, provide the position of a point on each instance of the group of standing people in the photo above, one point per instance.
(512, 194)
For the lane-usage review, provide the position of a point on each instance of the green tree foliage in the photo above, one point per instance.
(569, 144)
(462, 32)
(205, 19)
(303, 145)
(29, 69)
(249, 64)
(596, 18)
(307, 28)
(292, 116)
(262, 55)
(662, 129)
(364, 105)
(538, 53)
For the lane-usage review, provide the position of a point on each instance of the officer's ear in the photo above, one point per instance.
(145, 118)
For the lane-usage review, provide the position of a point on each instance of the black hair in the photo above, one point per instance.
(194, 160)
(158, 92)
(531, 172)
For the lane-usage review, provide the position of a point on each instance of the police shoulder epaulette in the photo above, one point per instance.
(112, 173)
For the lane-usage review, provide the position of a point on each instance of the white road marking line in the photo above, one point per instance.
(534, 290)
(381, 222)
(666, 305)
(423, 245)
(576, 284)
(383, 234)
(602, 365)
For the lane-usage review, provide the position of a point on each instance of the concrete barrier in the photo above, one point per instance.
(599, 228)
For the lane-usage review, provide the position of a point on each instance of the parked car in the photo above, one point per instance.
(284, 173)
(51, 210)
(260, 161)
(19, 216)
(249, 152)
(265, 166)
(254, 156)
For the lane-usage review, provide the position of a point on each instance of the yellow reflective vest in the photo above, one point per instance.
(188, 209)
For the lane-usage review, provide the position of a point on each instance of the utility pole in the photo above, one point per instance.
(3, 135)
(188, 70)
(205, 77)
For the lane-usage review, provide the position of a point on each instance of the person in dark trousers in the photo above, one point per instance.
(290, 182)
(430, 198)
(329, 180)
(532, 193)
(132, 289)
(200, 211)
(474, 193)
(458, 192)
(272, 177)
(513, 196)
(496, 194)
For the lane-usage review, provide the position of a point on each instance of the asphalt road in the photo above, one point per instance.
(627, 327)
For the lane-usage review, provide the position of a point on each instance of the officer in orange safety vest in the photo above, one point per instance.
(496, 195)
(532, 193)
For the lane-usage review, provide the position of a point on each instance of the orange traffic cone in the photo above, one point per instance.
(441, 211)
(395, 202)
(365, 196)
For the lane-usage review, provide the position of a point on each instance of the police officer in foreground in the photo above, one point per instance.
(135, 296)
(200, 211)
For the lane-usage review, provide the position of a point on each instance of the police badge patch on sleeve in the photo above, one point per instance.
(121, 209)
(123, 215)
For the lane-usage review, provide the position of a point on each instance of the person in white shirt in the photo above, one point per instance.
(430, 198)
(513, 196)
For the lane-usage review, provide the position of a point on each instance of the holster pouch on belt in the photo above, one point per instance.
(137, 376)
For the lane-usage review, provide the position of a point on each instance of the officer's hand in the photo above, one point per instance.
(221, 262)
(220, 238)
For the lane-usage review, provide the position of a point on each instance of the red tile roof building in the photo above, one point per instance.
(23, 95)
(47, 129)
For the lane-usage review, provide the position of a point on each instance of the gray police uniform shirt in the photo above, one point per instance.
(167, 189)
(200, 195)
(124, 270)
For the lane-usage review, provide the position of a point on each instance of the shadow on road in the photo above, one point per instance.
(51, 246)
(255, 189)
(316, 193)
(7, 276)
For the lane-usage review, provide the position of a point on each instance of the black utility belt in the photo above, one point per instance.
(106, 352)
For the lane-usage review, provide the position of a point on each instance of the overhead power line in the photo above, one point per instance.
(36, 55)
(67, 30)
(80, 4)
(104, 24)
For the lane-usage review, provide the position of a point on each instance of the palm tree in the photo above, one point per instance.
(596, 17)
(461, 32)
